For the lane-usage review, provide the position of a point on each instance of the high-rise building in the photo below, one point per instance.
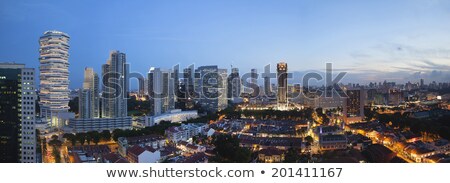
(145, 86)
(222, 89)
(17, 114)
(282, 101)
(234, 85)
(254, 80)
(267, 86)
(211, 86)
(354, 106)
(115, 86)
(187, 93)
(175, 77)
(89, 101)
(54, 75)
(84, 103)
(141, 86)
(161, 91)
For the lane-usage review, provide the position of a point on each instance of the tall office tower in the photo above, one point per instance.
(85, 103)
(222, 89)
(234, 85)
(115, 86)
(54, 75)
(187, 101)
(17, 114)
(169, 101)
(89, 100)
(267, 86)
(188, 76)
(145, 86)
(354, 106)
(141, 86)
(174, 76)
(282, 74)
(211, 87)
(421, 83)
(254, 80)
(161, 91)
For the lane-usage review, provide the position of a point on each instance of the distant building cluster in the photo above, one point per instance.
(185, 132)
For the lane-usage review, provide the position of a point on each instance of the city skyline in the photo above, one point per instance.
(306, 35)
(232, 81)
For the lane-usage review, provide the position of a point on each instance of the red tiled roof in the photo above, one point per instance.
(151, 149)
(143, 139)
(196, 158)
(135, 150)
(114, 158)
(271, 151)
(111, 157)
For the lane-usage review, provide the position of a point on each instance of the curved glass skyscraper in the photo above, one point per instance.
(54, 74)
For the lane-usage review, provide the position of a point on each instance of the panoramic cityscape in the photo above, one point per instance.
(122, 110)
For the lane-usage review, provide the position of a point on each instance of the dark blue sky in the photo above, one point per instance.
(372, 40)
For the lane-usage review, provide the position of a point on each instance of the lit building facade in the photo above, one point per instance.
(222, 89)
(161, 91)
(115, 94)
(17, 114)
(354, 106)
(212, 87)
(83, 125)
(174, 116)
(253, 80)
(267, 86)
(54, 75)
(234, 85)
(89, 100)
(282, 101)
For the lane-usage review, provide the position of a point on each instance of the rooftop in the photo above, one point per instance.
(271, 151)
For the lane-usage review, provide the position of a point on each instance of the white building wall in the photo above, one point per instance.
(28, 146)
(149, 157)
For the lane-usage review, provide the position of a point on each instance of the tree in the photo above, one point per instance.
(292, 156)
(70, 137)
(89, 137)
(231, 113)
(73, 104)
(309, 139)
(228, 150)
(55, 143)
(81, 138)
(56, 154)
(95, 137)
(106, 135)
(54, 137)
(38, 142)
(117, 133)
(44, 147)
(368, 113)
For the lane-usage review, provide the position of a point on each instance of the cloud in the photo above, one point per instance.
(433, 66)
